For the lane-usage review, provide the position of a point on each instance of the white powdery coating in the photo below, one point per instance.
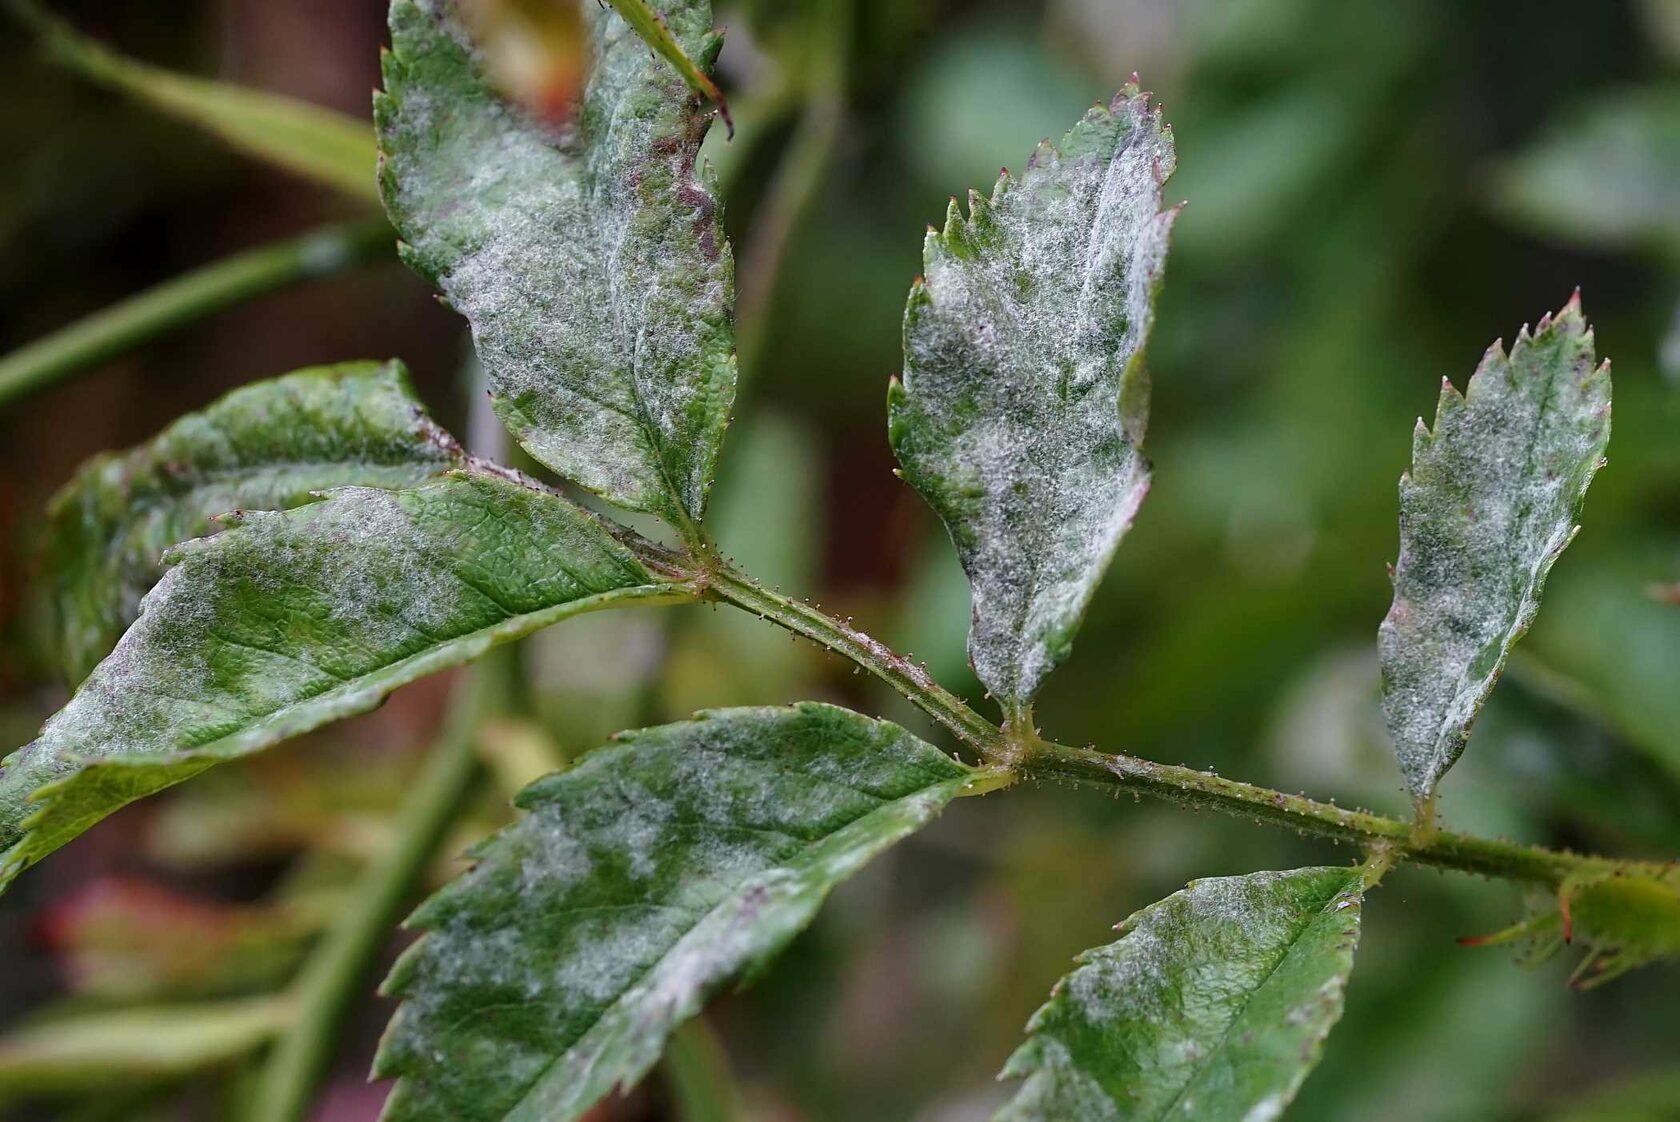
(1487, 508)
(1167, 1022)
(1018, 352)
(369, 573)
(589, 264)
(265, 446)
(654, 872)
(292, 619)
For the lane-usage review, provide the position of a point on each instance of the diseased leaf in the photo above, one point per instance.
(660, 869)
(293, 619)
(651, 26)
(308, 140)
(267, 446)
(1212, 1006)
(1024, 395)
(590, 261)
(1489, 504)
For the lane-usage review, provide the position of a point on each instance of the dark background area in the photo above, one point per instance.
(1375, 193)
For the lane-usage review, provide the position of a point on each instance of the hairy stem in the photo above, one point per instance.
(1186, 786)
(908, 678)
(332, 976)
(187, 298)
(1204, 790)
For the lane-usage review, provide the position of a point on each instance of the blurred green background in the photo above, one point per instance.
(1376, 192)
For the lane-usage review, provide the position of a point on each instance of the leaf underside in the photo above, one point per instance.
(269, 446)
(1489, 504)
(289, 620)
(1024, 398)
(590, 261)
(663, 867)
(1213, 1005)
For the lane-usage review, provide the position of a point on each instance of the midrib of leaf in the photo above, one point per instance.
(644, 418)
(633, 408)
(1093, 239)
(1527, 594)
(1093, 244)
(1012, 392)
(349, 696)
(1248, 1000)
(801, 862)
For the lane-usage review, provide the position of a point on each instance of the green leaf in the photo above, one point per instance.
(1489, 504)
(1605, 173)
(590, 262)
(79, 1053)
(267, 446)
(660, 869)
(293, 619)
(1213, 1005)
(320, 144)
(1024, 393)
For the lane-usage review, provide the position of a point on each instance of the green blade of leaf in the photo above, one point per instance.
(1213, 1005)
(661, 868)
(291, 619)
(1024, 395)
(590, 261)
(78, 1053)
(319, 144)
(1489, 504)
(651, 26)
(267, 446)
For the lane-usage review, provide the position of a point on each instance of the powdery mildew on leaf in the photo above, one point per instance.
(1024, 396)
(590, 261)
(641, 882)
(1489, 504)
(1212, 1006)
(290, 620)
(268, 446)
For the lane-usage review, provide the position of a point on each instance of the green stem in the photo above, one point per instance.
(796, 184)
(1205, 791)
(332, 976)
(200, 293)
(697, 1073)
(910, 679)
(1200, 790)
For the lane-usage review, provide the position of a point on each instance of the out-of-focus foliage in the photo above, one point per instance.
(1351, 236)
